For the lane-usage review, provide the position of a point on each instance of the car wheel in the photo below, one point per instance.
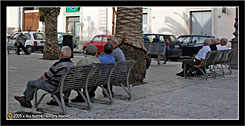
(29, 49)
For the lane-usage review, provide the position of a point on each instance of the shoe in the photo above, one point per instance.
(28, 53)
(55, 103)
(181, 74)
(23, 102)
(78, 100)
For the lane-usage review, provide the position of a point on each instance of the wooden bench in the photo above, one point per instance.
(76, 78)
(158, 49)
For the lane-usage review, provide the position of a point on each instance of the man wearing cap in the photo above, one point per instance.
(90, 58)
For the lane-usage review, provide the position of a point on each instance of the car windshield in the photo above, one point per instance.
(184, 39)
(38, 36)
(97, 39)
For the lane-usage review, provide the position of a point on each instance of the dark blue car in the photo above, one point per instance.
(173, 50)
(191, 44)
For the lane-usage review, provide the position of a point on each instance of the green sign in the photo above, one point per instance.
(72, 9)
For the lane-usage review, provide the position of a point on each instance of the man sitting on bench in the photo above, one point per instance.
(49, 81)
(198, 60)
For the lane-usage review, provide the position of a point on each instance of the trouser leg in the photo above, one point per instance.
(40, 84)
(24, 49)
(18, 50)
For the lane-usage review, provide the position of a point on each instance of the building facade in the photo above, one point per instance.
(86, 22)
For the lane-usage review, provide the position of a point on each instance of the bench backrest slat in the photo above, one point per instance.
(75, 77)
(120, 72)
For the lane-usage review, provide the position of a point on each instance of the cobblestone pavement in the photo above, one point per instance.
(163, 96)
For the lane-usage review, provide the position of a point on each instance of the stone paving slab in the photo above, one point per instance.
(163, 96)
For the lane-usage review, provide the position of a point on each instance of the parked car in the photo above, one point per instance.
(99, 41)
(191, 44)
(35, 41)
(60, 39)
(173, 50)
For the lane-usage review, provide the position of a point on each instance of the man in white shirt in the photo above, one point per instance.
(198, 60)
(223, 44)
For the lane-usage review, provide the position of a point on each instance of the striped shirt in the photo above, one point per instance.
(56, 70)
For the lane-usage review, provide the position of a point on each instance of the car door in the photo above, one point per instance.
(97, 42)
(12, 39)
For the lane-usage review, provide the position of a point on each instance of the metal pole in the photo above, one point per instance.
(234, 46)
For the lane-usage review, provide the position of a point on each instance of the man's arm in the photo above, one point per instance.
(202, 61)
(17, 42)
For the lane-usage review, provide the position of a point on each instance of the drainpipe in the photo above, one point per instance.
(18, 19)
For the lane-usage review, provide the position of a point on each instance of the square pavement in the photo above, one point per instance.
(163, 96)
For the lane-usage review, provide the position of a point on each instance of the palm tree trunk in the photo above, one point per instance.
(130, 37)
(51, 50)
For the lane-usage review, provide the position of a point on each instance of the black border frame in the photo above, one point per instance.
(4, 4)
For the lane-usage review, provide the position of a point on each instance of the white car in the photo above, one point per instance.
(35, 41)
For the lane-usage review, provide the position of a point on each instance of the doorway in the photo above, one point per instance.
(73, 27)
(31, 21)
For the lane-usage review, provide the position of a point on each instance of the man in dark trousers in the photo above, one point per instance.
(20, 41)
(49, 81)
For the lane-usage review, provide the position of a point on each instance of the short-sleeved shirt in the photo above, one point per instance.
(106, 59)
(21, 39)
(118, 55)
(202, 52)
(88, 59)
(222, 47)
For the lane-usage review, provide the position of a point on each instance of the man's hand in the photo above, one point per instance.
(42, 77)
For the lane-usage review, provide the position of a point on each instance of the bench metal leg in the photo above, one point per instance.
(86, 98)
(39, 101)
(61, 104)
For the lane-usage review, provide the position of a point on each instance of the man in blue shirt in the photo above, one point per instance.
(20, 41)
(105, 58)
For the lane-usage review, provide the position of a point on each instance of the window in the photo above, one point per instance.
(184, 39)
(172, 38)
(38, 36)
(202, 39)
(195, 40)
(97, 39)
(15, 35)
(105, 39)
(161, 39)
(145, 22)
(150, 38)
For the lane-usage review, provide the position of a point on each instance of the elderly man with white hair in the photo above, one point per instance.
(223, 44)
(198, 59)
(49, 81)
